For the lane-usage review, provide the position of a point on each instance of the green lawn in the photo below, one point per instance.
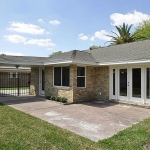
(20, 131)
(14, 88)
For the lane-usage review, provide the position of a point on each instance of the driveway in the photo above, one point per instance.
(94, 120)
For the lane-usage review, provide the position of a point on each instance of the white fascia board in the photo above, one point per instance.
(124, 62)
(70, 62)
(140, 61)
(111, 63)
(57, 62)
(22, 63)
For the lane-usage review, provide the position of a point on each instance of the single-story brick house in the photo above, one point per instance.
(120, 72)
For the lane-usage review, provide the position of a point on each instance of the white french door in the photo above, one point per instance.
(123, 83)
(137, 84)
(127, 83)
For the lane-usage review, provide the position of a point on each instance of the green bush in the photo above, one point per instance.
(53, 98)
(58, 99)
(63, 100)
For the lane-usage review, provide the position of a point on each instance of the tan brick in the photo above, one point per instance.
(34, 86)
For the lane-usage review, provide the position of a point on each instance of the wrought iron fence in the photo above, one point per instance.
(14, 83)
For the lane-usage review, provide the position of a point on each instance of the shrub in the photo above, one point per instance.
(53, 98)
(48, 97)
(64, 100)
(58, 99)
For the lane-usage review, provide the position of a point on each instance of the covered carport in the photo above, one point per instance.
(16, 75)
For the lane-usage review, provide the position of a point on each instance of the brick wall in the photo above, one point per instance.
(87, 93)
(102, 83)
(57, 91)
(34, 86)
(97, 80)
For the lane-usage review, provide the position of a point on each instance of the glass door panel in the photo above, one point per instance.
(123, 82)
(148, 83)
(136, 82)
(43, 79)
(114, 82)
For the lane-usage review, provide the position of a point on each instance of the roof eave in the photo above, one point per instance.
(124, 62)
(70, 62)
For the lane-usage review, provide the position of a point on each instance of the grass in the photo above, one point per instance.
(20, 131)
(13, 88)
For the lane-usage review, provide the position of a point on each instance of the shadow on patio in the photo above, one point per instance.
(20, 99)
(98, 103)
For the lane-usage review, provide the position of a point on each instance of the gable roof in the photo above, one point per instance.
(73, 55)
(124, 52)
(135, 51)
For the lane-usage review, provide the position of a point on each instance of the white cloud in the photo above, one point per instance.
(41, 20)
(83, 37)
(12, 53)
(102, 35)
(25, 28)
(92, 38)
(49, 48)
(129, 18)
(15, 38)
(47, 32)
(54, 22)
(20, 39)
(40, 42)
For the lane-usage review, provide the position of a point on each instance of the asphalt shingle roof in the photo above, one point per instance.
(71, 55)
(124, 52)
(23, 59)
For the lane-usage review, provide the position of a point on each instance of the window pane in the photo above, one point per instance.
(123, 82)
(80, 81)
(136, 82)
(57, 76)
(113, 81)
(80, 71)
(65, 76)
(148, 83)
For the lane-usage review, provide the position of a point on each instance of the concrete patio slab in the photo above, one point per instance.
(93, 120)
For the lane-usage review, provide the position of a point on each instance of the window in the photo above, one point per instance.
(80, 76)
(61, 76)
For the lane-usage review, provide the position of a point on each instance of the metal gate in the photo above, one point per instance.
(14, 84)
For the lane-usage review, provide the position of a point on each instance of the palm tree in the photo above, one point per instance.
(123, 36)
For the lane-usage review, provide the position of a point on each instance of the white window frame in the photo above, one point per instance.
(61, 77)
(81, 76)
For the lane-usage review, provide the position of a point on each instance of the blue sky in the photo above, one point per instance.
(38, 28)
